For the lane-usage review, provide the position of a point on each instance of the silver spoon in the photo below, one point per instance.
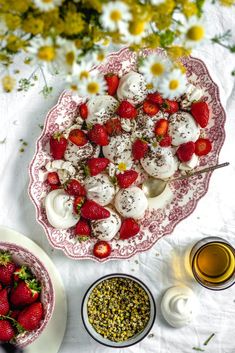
(154, 187)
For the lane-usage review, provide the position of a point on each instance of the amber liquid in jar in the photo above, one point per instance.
(214, 263)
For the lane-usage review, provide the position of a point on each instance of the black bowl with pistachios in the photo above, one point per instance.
(118, 310)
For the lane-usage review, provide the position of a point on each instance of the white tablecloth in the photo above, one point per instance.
(160, 267)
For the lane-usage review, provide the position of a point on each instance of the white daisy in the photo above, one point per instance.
(193, 32)
(92, 86)
(115, 15)
(79, 72)
(47, 5)
(154, 67)
(173, 85)
(122, 166)
(67, 54)
(135, 32)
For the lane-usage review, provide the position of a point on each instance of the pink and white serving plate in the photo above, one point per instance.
(179, 200)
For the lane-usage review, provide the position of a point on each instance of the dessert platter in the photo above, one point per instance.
(94, 155)
(33, 303)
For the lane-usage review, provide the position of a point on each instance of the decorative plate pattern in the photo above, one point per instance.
(24, 257)
(158, 221)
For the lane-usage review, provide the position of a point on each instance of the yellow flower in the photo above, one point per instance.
(176, 52)
(33, 25)
(94, 4)
(46, 53)
(8, 83)
(15, 43)
(52, 22)
(12, 21)
(19, 5)
(189, 9)
(227, 2)
(152, 41)
(74, 23)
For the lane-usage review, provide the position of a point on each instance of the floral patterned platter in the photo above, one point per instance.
(164, 213)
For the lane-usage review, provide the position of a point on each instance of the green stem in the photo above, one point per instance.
(208, 339)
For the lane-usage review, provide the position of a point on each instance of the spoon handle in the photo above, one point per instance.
(205, 170)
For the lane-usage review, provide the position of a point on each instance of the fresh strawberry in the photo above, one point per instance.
(102, 249)
(22, 273)
(112, 83)
(77, 204)
(139, 149)
(6, 331)
(55, 187)
(161, 127)
(113, 127)
(7, 268)
(200, 112)
(96, 165)
(93, 211)
(75, 188)
(82, 230)
(1, 287)
(166, 141)
(127, 178)
(25, 292)
(150, 108)
(53, 178)
(83, 110)
(129, 228)
(169, 106)
(58, 144)
(30, 318)
(155, 98)
(78, 137)
(127, 111)
(14, 314)
(98, 135)
(202, 147)
(4, 304)
(186, 151)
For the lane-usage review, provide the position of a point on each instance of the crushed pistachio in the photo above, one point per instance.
(118, 309)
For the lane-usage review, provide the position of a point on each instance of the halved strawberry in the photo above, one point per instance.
(129, 228)
(161, 127)
(53, 178)
(150, 108)
(139, 149)
(127, 178)
(200, 112)
(83, 110)
(78, 137)
(202, 147)
(155, 98)
(127, 111)
(112, 83)
(75, 188)
(186, 151)
(82, 230)
(113, 126)
(98, 135)
(93, 211)
(96, 165)
(165, 141)
(77, 204)
(58, 144)
(102, 249)
(169, 106)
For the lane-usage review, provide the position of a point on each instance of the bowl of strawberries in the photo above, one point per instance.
(26, 295)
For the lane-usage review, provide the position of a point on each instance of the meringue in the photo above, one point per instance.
(99, 189)
(191, 164)
(59, 210)
(183, 128)
(64, 169)
(131, 202)
(132, 87)
(146, 124)
(100, 109)
(179, 305)
(106, 229)
(119, 149)
(192, 94)
(76, 154)
(160, 163)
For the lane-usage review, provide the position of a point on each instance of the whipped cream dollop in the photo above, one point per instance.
(106, 229)
(76, 154)
(132, 87)
(183, 128)
(99, 189)
(119, 149)
(160, 162)
(131, 202)
(100, 109)
(192, 94)
(191, 164)
(179, 305)
(64, 169)
(59, 210)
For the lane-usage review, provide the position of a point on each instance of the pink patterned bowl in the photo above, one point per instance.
(158, 221)
(22, 256)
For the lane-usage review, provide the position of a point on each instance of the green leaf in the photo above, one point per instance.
(200, 4)
(167, 38)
